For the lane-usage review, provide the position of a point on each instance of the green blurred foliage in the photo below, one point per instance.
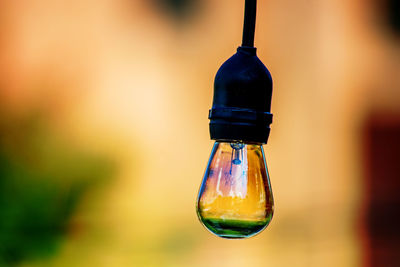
(179, 9)
(42, 179)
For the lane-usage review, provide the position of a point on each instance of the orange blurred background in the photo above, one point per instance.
(104, 131)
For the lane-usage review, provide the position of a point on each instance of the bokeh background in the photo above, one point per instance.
(104, 131)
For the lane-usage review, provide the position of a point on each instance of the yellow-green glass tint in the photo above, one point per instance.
(235, 198)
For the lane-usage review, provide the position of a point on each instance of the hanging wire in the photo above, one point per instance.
(250, 12)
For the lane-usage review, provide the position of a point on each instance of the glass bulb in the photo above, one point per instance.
(235, 198)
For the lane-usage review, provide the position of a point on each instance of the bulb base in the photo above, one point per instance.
(236, 124)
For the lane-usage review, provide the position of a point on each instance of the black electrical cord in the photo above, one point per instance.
(249, 27)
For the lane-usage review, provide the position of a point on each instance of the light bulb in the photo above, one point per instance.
(235, 197)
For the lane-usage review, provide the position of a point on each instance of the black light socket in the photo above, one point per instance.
(242, 99)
